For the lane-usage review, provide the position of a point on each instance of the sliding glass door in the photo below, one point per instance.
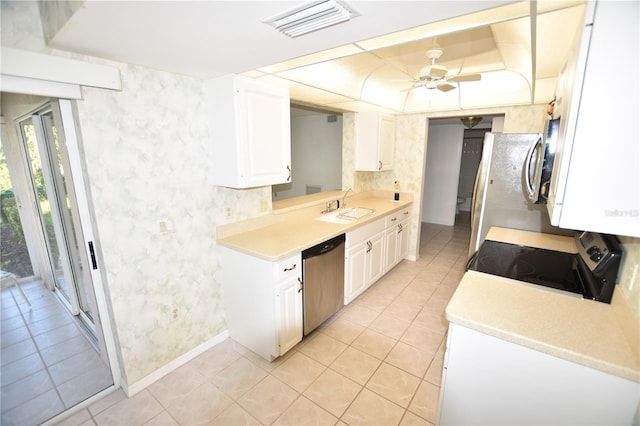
(52, 185)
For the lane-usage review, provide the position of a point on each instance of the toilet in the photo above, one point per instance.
(460, 201)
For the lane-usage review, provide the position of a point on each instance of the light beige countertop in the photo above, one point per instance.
(291, 230)
(582, 331)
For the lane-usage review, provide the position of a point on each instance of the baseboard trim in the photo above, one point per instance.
(136, 387)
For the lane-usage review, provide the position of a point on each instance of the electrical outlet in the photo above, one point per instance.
(228, 211)
(396, 185)
(165, 226)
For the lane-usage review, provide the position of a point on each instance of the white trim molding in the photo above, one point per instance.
(32, 65)
(136, 387)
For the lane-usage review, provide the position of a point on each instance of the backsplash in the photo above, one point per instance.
(629, 282)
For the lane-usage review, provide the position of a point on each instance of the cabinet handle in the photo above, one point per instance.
(406, 213)
(290, 269)
(400, 228)
(394, 219)
(300, 285)
(369, 246)
(289, 174)
(379, 165)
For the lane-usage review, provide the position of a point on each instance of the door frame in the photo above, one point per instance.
(71, 129)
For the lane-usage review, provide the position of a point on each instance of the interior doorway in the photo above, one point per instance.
(54, 351)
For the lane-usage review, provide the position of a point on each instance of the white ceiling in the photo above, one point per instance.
(366, 63)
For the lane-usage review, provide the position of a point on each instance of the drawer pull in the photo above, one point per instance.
(290, 269)
(300, 285)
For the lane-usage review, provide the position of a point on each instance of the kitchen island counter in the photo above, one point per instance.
(586, 332)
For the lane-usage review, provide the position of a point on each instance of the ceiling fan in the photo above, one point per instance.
(435, 75)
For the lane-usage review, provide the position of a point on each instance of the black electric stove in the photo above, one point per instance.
(591, 273)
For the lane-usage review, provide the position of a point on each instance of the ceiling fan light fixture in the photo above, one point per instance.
(471, 121)
(311, 17)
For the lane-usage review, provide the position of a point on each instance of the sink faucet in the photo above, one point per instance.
(344, 198)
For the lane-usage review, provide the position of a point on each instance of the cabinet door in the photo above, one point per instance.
(391, 247)
(375, 258)
(403, 240)
(386, 145)
(289, 304)
(355, 281)
(375, 140)
(267, 151)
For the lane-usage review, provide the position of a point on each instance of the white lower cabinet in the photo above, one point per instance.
(364, 258)
(489, 381)
(263, 302)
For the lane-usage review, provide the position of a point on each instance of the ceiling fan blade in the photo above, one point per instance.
(445, 87)
(437, 72)
(468, 77)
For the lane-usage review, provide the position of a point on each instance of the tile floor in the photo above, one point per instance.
(47, 364)
(376, 362)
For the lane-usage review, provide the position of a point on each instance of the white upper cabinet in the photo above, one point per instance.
(375, 141)
(596, 179)
(251, 132)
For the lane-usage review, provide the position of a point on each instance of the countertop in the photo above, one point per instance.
(582, 331)
(291, 230)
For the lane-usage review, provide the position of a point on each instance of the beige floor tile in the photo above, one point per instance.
(212, 361)
(359, 314)
(268, 400)
(138, 409)
(299, 371)
(403, 308)
(390, 325)
(323, 348)
(422, 337)
(344, 331)
(376, 301)
(425, 402)
(305, 412)
(333, 392)
(356, 365)
(411, 419)
(240, 376)
(409, 358)
(394, 384)
(235, 415)
(374, 343)
(162, 419)
(175, 385)
(371, 409)
(434, 372)
(201, 405)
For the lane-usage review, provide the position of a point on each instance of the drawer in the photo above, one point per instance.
(289, 267)
(364, 232)
(397, 217)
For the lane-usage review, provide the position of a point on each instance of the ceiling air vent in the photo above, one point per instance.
(310, 17)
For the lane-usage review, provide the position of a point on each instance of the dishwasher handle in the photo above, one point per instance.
(324, 247)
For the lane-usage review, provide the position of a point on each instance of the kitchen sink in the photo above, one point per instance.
(345, 216)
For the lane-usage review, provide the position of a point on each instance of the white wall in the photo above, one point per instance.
(444, 149)
(316, 155)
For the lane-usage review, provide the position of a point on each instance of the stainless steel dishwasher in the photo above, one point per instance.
(323, 279)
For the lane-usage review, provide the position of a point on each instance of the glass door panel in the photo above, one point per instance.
(47, 166)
